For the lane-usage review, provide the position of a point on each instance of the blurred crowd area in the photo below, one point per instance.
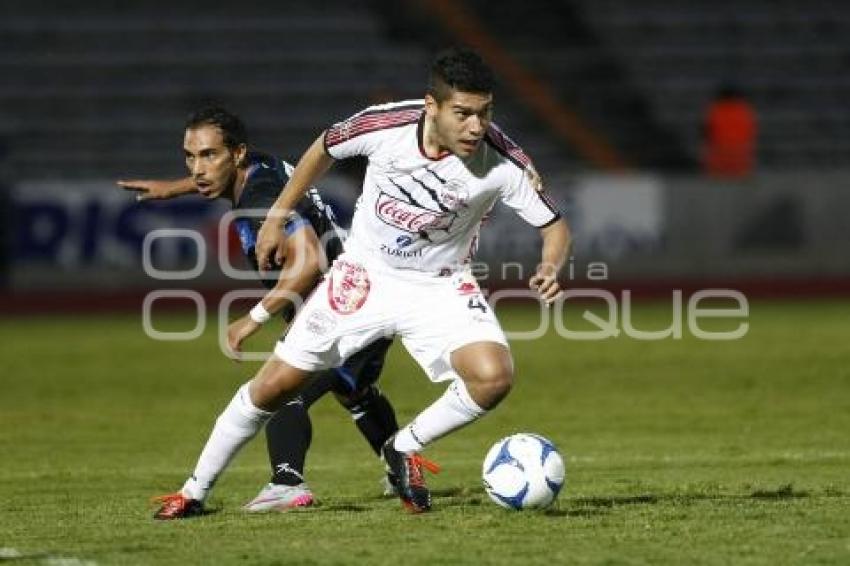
(699, 140)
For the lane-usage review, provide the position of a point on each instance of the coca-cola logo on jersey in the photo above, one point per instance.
(410, 217)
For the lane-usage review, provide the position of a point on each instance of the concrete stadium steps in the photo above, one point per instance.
(104, 89)
(195, 38)
(791, 58)
(559, 48)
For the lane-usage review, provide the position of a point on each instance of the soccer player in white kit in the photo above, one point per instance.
(436, 168)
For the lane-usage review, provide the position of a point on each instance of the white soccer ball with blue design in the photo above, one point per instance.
(523, 471)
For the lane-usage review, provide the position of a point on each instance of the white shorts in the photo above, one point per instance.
(357, 303)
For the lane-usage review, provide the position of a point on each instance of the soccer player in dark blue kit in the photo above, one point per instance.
(221, 166)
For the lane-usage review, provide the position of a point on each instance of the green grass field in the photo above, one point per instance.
(677, 451)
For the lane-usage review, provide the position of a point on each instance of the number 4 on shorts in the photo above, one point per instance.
(475, 303)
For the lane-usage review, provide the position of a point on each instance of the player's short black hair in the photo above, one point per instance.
(232, 128)
(460, 69)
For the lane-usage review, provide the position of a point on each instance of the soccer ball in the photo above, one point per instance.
(523, 471)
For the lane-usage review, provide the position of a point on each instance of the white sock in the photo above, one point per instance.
(238, 424)
(453, 410)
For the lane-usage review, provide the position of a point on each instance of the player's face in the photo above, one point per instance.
(461, 120)
(211, 163)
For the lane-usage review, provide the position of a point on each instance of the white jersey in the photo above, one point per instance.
(420, 213)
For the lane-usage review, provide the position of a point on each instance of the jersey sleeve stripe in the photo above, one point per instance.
(397, 107)
(369, 122)
(548, 202)
(507, 147)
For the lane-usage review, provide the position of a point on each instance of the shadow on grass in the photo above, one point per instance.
(613, 501)
(208, 510)
(583, 512)
(458, 496)
(444, 492)
(601, 505)
(586, 507)
(595, 506)
(336, 507)
(598, 505)
(782, 492)
(579, 507)
(454, 492)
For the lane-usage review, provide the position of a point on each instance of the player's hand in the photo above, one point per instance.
(545, 282)
(238, 331)
(271, 245)
(149, 189)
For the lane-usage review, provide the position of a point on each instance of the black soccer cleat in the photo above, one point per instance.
(409, 481)
(177, 506)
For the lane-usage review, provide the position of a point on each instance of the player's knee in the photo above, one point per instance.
(492, 383)
(275, 383)
(500, 385)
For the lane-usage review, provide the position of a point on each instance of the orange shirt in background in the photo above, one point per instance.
(730, 138)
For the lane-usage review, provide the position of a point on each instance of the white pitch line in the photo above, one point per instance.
(44, 558)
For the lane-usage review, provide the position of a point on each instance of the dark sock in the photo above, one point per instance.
(375, 418)
(288, 436)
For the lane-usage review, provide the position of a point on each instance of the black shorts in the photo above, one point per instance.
(354, 377)
(363, 368)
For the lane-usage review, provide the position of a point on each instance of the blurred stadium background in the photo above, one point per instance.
(607, 96)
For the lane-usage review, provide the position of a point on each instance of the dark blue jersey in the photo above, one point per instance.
(264, 180)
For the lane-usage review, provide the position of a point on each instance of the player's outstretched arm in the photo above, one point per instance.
(304, 260)
(556, 245)
(271, 239)
(148, 189)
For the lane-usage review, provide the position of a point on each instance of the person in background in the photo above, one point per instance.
(729, 135)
